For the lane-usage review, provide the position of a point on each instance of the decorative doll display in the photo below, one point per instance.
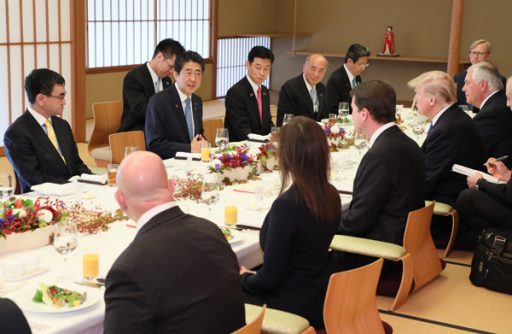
(389, 43)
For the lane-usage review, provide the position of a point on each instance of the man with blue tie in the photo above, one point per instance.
(453, 138)
(40, 144)
(174, 121)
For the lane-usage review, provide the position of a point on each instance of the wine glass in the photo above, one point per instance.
(343, 110)
(418, 126)
(221, 138)
(287, 118)
(6, 186)
(210, 194)
(130, 149)
(65, 240)
(360, 142)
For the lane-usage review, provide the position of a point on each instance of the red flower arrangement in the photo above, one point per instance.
(232, 157)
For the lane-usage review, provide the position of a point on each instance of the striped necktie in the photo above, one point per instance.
(260, 104)
(53, 137)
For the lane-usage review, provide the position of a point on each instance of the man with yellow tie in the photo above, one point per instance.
(40, 144)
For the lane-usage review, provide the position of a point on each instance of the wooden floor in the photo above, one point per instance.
(449, 304)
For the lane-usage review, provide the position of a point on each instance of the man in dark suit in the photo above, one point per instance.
(484, 89)
(144, 81)
(479, 51)
(486, 204)
(179, 274)
(453, 138)
(248, 101)
(40, 144)
(12, 319)
(345, 78)
(305, 95)
(175, 116)
(390, 179)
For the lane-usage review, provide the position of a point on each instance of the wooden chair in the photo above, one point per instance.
(279, 322)
(107, 119)
(350, 302)
(209, 126)
(118, 142)
(443, 209)
(418, 254)
(254, 326)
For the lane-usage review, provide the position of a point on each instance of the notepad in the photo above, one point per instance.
(470, 171)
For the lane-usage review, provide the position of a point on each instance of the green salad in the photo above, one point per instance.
(56, 296)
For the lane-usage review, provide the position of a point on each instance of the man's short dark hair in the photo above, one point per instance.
(169, 47)
(260, 52)
(41, 81)
(378, 97)
(187, 56)
(356, 51)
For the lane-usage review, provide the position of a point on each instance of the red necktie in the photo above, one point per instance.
(260, 108)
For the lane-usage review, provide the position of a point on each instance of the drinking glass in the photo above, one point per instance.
(343, 110)
(360, 142)
(418, 126)
(210, 194)
(6, 186)
(221, 138)
(65, 240)
(90, 265)
(287, 118)
(112, 174)
(130, 149)
(205, 151)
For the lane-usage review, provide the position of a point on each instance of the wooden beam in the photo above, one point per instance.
(455, 34)
(78, 38)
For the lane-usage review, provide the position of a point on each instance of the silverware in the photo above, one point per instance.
(93, 284)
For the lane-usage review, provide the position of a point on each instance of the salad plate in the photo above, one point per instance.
(25, 302)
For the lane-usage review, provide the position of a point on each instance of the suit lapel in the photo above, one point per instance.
(254, 112)
(178, 106)
(42, 138)
(150, 85)
(307, 97)
(321, 97)
(198, 115)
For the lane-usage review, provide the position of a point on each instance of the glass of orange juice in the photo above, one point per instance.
(90, 265)
(230, 212)
(206, 149)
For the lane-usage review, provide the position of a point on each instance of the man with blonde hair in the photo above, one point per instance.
(452, 137)
(484, 89)
(179, 274)
(479, 51)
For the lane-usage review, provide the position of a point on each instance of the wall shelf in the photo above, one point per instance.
(274, 34)
(400, 59)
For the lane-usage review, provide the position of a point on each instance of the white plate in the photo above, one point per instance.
(54, 189)
(26, 275)
(237, 237)
(24, 299)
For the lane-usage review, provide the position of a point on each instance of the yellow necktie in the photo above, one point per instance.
(53, 137)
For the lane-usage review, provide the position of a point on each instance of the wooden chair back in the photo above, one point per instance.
(107, 119)
(254, 327)
(418, 242)
(350, 302)
(118, 142)
(209, 126)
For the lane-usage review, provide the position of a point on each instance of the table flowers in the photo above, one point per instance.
(267, 156)
(235, 164)
(334, 133)
(189, 187)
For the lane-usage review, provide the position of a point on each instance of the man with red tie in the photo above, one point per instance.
(248, 101)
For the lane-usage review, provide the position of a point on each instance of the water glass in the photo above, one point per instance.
(130, 149)
(221, 138)
(343, 110)
(287, 118)
(360, 142)
(6, 186)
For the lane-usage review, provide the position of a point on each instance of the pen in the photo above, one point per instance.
(499, 159)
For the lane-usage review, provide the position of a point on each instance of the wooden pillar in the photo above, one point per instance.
(78, 63)
(455, 34)
(294, 27)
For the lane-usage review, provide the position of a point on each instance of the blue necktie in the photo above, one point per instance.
(354, 82)
(430, 128)
(188, 117)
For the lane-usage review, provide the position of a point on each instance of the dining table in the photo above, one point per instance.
(253, 200)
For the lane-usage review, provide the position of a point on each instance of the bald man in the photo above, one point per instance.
(179, 274)
(304, 95)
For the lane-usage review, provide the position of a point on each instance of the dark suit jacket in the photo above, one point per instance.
(294, 98)
(461, 96)
(389, 183)
(166, 125)
(338, 89)
(242, 115)
(179, 275)
(454, 140)
(495, 124)
(12, 319)
(138, 87)
(295, 272)
(33, 156)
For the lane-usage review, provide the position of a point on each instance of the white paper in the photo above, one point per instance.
(470, 171)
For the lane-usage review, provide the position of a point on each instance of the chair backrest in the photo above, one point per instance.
(254, 327)
(350, 302)
(107, 119)
(209, 126)
(119, 141)
(418, 242)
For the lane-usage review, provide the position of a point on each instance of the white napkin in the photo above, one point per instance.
(255, 136)
(186, 155)
(102, 179)
(55, 189)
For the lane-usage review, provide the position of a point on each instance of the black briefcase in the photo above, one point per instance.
(492, 260)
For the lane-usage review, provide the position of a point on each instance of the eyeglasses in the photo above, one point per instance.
(60, 97)
(364, 65)
(171, 65)
(477, 53)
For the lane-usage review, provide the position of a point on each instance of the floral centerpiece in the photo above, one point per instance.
(267, 156)
(334, 133)
(91, 221)
(189, 187)
(235, 164)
